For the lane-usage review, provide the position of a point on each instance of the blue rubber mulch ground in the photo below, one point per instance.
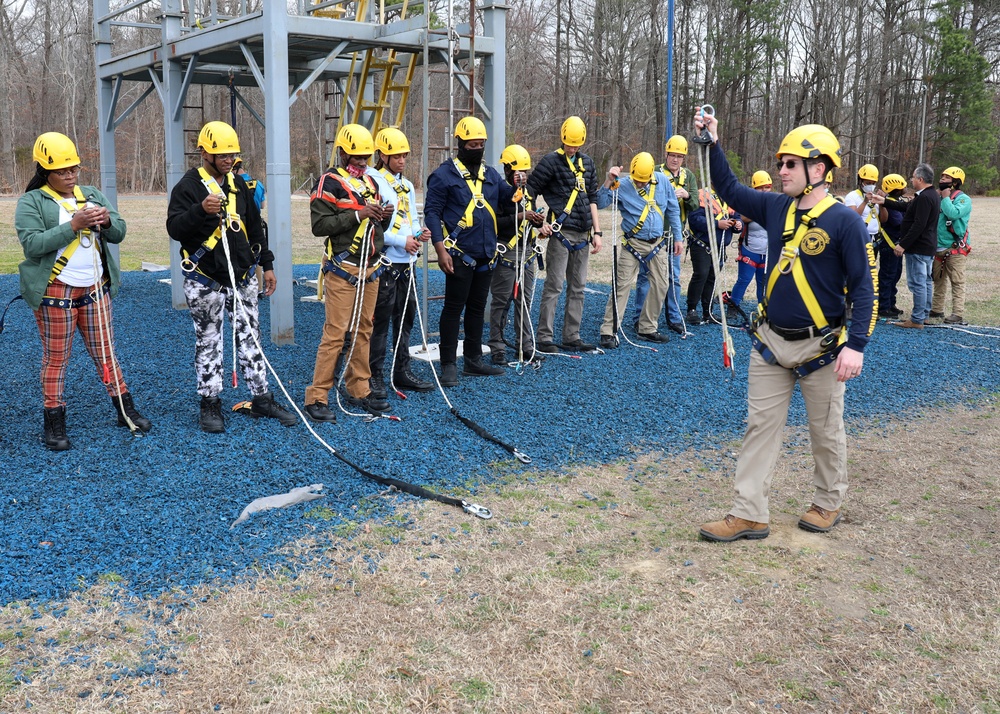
(156, 511)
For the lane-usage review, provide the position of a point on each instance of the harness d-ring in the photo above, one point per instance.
(188, 265)
(501, 249)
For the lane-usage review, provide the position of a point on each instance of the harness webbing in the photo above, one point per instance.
(477, 200)
(364, 187)
(578, 171)
(402, 198)
(63, 260)
(648, 192)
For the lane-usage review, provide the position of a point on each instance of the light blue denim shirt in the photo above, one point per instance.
(631, 205)
(395, 240)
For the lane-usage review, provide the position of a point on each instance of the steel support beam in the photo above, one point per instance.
(495, 78)
(107, 96)
(172, 93)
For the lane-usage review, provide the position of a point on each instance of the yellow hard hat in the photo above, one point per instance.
(641, 168)
(868, 172)
(893, 182)
(217, 137)
(517, 157)
(469, 128)
(391, 141)
(760, 178)
(955, 172)
(811, 141)
(676, 144)
(55, 151)
(355, 140)
(573, 131)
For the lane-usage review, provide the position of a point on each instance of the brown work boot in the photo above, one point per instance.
(732, 528)
(908, 324)
(819, 520)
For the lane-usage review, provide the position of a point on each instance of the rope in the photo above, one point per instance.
(728, 351)
(409, 488)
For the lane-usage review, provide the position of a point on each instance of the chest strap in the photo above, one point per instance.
(581, 185)
(649, 194)
(402, 199)
(477, 201)
(189, 263)
(82, 237)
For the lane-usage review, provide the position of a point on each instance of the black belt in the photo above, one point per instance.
(801, 333)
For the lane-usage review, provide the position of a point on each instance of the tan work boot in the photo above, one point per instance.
(908, 324)
(819, 520)
(732, 528)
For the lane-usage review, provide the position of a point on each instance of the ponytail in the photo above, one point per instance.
(40, 178)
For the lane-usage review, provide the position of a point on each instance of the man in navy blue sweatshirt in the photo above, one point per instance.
(817, 247)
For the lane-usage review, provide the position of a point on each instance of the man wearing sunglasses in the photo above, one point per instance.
(817, 248)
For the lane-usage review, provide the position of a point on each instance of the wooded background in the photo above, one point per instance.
(881, 75)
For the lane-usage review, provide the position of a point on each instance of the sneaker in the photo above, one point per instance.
(954, 319)
(819, 520)
(693, 318)
(370, 404)
(449, 374)
(732, 528)
(548, 347)
(653, 337)
(475, 367)
(263, 405)
(409, 382)
(579, 346)
(674, 327)
(210, 419)
(908, 324)
(377, 386)
(609, 342)
(499, 359)
(126, 408)
(318, 411)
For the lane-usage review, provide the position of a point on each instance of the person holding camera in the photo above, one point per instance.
(460, 209)
(213, 216)
(346, 208)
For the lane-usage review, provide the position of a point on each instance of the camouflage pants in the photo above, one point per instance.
(206, 306)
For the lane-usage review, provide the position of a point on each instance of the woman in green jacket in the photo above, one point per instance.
(68, 278)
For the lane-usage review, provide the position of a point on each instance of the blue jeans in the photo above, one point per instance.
(673, 290)
(746, 273)
(920, 281)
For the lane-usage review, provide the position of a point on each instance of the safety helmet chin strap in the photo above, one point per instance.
(810, 187)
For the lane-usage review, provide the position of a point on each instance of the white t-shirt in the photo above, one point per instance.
(870, 215)
(80, 270)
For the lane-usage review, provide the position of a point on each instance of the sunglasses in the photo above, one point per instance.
(787, 164)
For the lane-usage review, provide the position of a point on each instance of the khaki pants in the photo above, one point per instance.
(338, 299)
(951, 270)
(628, 269)
(563, 266)
(770, 392)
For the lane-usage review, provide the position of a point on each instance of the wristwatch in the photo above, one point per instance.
(599, 233)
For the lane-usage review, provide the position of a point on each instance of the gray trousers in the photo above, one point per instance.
(628, 270)
(563, 266)
(770, 391)
(501, 290)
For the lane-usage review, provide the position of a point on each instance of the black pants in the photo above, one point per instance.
(392, 288)
(467, 289)
(702, 283)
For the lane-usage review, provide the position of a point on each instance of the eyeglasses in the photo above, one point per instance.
(787, 164)
(67, 173)
(226, 157)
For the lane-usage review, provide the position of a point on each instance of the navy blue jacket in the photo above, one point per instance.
(446, 199)
(845, 259)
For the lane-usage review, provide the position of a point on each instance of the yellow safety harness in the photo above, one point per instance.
(648, 192)
(476, 189)
(872, 211)
(402, 198)
(678, 182)
(581, 185)
(84, 234)
(366, 188)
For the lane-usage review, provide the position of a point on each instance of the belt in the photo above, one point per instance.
(71, 304)
(801, 333)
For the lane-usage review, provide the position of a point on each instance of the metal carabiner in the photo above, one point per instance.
(477, 510)
(521, 456)
(707, 110)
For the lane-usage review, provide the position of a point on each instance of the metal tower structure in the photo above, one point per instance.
(282, 50)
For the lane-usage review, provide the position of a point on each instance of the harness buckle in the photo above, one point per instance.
(476, 510)
(521, 456)
(556, 227)
(829, 339)
(188, 265)
(501, 249)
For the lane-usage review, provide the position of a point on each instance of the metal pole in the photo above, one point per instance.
(105, 110)
(923, 122)
(670, 72)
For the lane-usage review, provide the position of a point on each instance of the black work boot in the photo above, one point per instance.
(211, 419)
(409, 382)
(55, 429)
(475, 367)
(126, 408)
(263, 405)
(449, 374)
(377, 386)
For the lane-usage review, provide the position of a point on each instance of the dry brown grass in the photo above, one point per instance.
(589, 592)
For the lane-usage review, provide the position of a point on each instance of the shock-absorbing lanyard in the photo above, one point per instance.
(84, 234)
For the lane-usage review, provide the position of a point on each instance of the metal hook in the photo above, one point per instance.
(521, 456)
(477, 510)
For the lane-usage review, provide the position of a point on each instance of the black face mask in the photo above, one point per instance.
(944, 186)
(470, 157)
